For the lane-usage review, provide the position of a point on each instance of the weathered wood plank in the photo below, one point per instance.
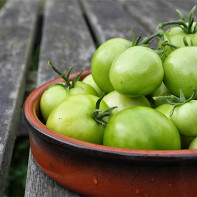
(30, 85)
(108, 19)
(150, 13)
(182, 5)
(17, 22)
(66, 41)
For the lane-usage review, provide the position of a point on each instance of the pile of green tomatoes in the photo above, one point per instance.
(136, 97)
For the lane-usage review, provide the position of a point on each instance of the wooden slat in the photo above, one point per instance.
(150, 13)
(17, 27)
(109, 19)
(182, 5)
(66, 41)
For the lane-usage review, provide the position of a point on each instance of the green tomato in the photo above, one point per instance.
(103, 58)
(136, 72)
(193, 144)
(73, 118)
(184, 117)
(175, 36)
(122, 102)
(56, 93)
(141, 128)
(89, 80)
(180, 69)
(165, 109)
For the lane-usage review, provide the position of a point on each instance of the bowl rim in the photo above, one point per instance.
(95, 150)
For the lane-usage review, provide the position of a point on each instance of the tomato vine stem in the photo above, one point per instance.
(188, 27)
(98, 115)
(176, 101)
(68, 84)
(146, 40)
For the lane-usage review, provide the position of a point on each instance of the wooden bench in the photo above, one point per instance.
(71, 31)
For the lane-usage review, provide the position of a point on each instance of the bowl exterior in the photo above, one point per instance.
(100, 177)
(96, 170)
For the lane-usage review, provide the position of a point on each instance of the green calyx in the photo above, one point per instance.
(135, 42)
(186, 43)
(176, 101)
(98, 115)
(188, 27)
(146, 40)
(68, 84)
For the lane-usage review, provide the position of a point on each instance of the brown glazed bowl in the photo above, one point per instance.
(96, 170)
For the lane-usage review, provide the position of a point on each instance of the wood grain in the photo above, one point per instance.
(17, 21)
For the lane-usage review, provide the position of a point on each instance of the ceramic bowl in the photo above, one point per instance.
(96, 170)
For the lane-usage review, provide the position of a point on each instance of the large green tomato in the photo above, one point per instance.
(141, 128)
(122, 102)
(180, 69)
(184, 117)
(103, 58)
(73, 118)
(58, 92)
(175, 36)
(136, 72)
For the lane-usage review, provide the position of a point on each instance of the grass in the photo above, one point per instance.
(16, 179)
(2, 2)
(35, 59)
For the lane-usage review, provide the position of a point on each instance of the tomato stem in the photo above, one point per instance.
(176, 101)
(186, 26)
(135, 42)
(179, 22)
(98, 115)
(146, 40)
(68, 84)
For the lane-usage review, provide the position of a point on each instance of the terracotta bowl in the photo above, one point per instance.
(96, 170)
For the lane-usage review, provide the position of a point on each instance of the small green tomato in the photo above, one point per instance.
(90, 81)
(122, 102)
